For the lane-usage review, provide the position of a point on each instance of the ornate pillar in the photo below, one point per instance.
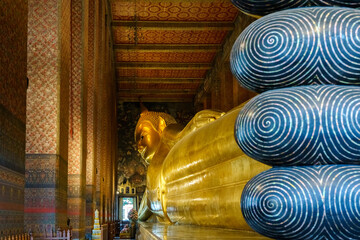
(47, 114)
(78, 118)
(98, 131)
(90, 159)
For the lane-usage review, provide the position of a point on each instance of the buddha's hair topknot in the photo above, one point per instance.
(153, 117)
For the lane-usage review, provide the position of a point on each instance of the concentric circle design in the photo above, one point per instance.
(283, 202)
(299, 47)
(343, 192)
(343, 3)
(304, 202)
(260, 8)
(264, 7)
(302, 126)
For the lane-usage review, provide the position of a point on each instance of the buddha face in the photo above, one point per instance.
(147, 140)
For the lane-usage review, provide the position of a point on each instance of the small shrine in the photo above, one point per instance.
(126, 188)
(96, 232)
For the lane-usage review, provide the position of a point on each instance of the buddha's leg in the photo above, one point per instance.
(204, 174)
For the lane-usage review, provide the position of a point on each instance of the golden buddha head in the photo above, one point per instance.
(148, 132)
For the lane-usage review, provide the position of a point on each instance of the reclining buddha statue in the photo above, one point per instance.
(305, 62)
(196, 174)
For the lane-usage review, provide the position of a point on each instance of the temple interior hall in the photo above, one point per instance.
(124, 119)
(72, 76)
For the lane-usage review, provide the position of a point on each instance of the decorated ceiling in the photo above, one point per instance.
(165, 48)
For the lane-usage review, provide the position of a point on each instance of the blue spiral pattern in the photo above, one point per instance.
(341, 3)
(304, 125)
(312, 202)
(264, 7)
(295, 47)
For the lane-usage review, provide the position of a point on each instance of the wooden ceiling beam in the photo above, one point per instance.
(155, 98)
(175, 25)
(152, 65)
(156, 91)
(159, 80)
(173, 47)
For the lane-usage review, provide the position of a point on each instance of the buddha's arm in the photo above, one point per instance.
(144, 211)
(204, 174)
(200, 119)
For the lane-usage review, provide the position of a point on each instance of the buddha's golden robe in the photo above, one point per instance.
(197, 175)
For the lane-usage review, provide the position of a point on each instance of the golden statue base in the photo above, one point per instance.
(156, 231)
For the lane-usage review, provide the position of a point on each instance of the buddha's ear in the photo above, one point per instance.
(162, 124)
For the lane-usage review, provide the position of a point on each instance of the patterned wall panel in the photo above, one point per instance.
(90, 208)
(76, 208)
(90, 161)
(13, 56)
(12, 141)
(13, 83)
(11, 222)
(48, 64)
(146, 10)
(165, 56)
(90, 95)
(61, 193)
(45, 193)
(43, 53)
(11, 201)
(162, 73)
(76, 161)
(64, 77)
(75, 88)
(98, 76)
(147, 36)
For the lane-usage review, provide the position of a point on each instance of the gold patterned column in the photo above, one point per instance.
(90, 157)
(48, 66)
(78, 118)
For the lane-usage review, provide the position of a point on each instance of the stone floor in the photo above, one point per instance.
(158, 231)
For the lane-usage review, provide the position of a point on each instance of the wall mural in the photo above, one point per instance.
(130, 166)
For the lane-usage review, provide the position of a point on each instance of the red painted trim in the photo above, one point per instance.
(44, 210)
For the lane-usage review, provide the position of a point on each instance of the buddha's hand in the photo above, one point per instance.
(202, 118)
(205, 116)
